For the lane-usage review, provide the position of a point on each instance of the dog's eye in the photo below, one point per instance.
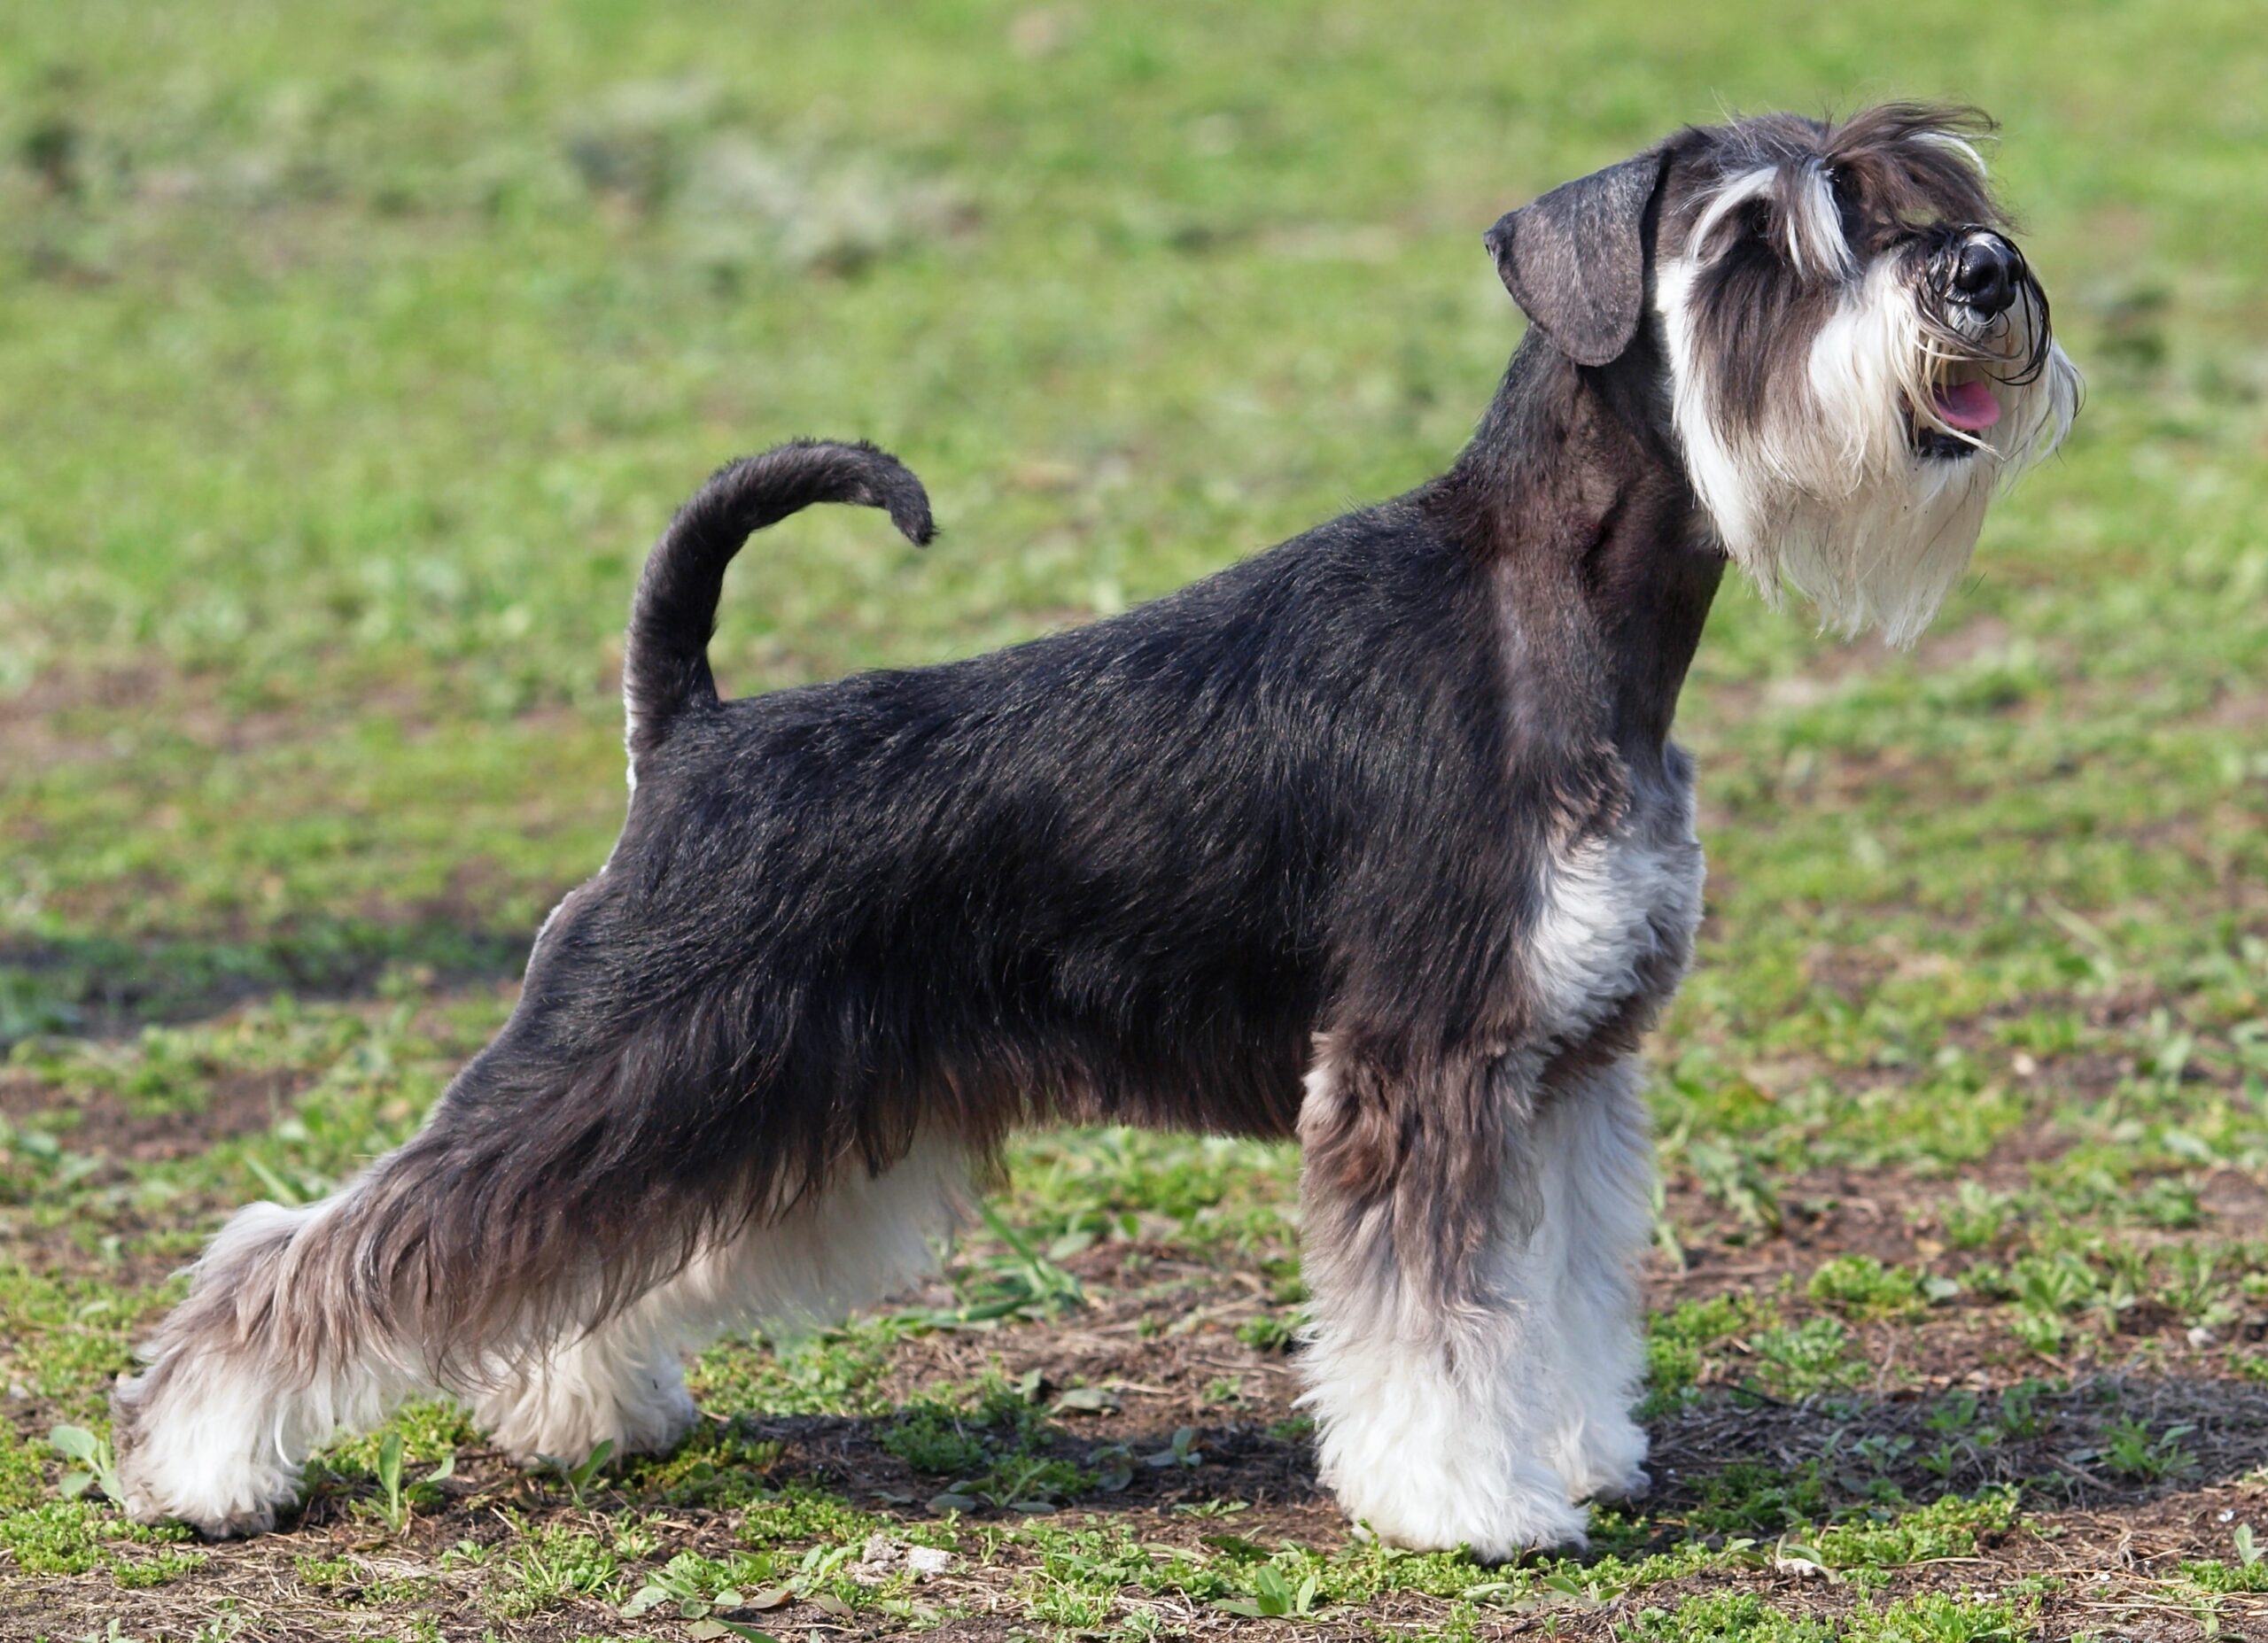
(1844, 191)
(1848, 205)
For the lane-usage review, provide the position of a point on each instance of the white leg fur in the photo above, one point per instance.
(1436, 1432)
(1594, 1155)
(216, 1432)
(623, 1384)
(865, 1238)
(221, 1422)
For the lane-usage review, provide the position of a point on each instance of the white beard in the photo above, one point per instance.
(1829, 495)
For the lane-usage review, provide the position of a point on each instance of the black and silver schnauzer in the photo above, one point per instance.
(1376, 839)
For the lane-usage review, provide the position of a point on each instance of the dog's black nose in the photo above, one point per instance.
(1986, 277)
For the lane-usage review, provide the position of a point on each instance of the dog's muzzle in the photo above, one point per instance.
(1976, 276)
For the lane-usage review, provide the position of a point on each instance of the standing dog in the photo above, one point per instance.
(1377, 838)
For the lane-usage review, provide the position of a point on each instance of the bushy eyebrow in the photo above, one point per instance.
(1808, 220)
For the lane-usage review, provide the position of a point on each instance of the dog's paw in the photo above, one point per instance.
(1496, 1530)
(1603, 1459)
(565, 1417)
(1453, 1508)
(1629, 1486)
(211, 1462)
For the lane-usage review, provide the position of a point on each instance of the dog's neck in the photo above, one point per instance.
(1603, 567)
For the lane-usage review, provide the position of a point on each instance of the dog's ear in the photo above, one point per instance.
(1575, 259)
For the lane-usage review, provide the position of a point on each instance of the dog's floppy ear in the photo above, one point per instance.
(1575, 259)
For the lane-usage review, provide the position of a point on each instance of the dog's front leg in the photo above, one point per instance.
(1432, 1263)
(1594, 1149)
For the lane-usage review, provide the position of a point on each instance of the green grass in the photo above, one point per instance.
(354, 353)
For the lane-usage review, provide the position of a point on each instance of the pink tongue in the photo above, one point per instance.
(1969, 406)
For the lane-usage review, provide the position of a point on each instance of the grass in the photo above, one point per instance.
(354, 354)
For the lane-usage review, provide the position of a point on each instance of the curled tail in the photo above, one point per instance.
(665, 655)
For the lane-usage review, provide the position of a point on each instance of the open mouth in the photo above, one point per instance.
(1961, 407)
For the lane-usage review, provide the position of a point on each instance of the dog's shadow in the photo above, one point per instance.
(1204, 1468)
(1725, 1464)
(1733, 1463)
(106, 986)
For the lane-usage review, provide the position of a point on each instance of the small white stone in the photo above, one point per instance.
(927, 1561)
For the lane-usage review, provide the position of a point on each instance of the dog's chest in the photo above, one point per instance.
(1614, 922)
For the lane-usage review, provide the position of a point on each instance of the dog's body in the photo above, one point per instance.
(1377, 838)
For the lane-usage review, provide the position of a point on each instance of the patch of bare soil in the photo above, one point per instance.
(104, 1125)
(31, 737)
(36, 723)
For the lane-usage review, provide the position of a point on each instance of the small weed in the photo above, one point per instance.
(399, 1499)
(1732, 1176)
(696, 1586)
(549, 1566)
(1950, 1528)
(1270, 1332)
(1860, 1286)
(1114, 1467)
(580, 1474)
(2130, 1450)
(2054, 1286)
(2193, 1287)
(1956, 1413)
(1977, 1217)
(1213, 1508)
(97, 1467)
(1680, 1346)
(1024, 1282)
(1273, 1596)
(2043, 1332)
(1024, 1483)
(328, 1574)
(2167, 1203)
(1800, 1359)
(1181, 1450)
(1750, 1498)
(2020, 1415)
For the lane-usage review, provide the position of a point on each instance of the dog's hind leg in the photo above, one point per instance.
(621, 1173)
(299, 1323)
(861, 1238)
(1430, 1362)
(1593, 1147)
(263, 1362)
(559, 1316)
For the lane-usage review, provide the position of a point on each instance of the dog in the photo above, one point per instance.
(1377, 838)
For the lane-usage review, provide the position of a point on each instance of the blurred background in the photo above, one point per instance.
(353, 355)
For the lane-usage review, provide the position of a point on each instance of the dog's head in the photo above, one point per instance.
(1850, 351)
